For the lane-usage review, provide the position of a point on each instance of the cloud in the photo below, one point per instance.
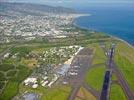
(3, 0)
(70, 1)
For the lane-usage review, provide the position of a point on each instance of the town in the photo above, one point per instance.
(26, 28)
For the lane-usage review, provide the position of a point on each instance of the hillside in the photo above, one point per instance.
(30, 9)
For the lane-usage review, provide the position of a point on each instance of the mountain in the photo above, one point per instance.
(30, 9)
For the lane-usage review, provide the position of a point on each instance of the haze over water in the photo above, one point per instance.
(114, 20)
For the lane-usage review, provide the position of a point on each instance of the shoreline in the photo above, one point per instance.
(80, 15)
(117, 38)
(131, 46)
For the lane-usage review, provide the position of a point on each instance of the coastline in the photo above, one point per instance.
(131, 46)
(80, 15)
(117, 38)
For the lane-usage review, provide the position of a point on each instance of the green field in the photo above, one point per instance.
(116, 93)
(17, 69)
(126, 68)
(124, 58)
(99, 57)
(94, 77)
(6, 67)
(61, 93)
(114, 78)
(54, 93)
(3, 47)
(11, 80)
(126, 51)
(10, 90)
(84, 94)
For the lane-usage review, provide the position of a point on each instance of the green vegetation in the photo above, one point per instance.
(124, 60)
(13, 80)
(17, 70)
(3, 47)
(55, 93)
(21, 50)
(114, 78)
(99, 57)
(2, 84)
(40, 50)
(61, 93)
(22, 74)
(94, 77)
(84, 38)
(125, 51)
(84, 94)
(126, 68)
(11, 73)
(6, 67)
(116, 93)
(2, 77)
(10, 90)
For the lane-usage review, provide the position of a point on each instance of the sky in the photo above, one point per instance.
(74, 1)
(71, 3)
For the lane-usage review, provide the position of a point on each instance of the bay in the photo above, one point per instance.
(116, 21)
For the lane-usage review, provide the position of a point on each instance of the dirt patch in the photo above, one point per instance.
(83, 94)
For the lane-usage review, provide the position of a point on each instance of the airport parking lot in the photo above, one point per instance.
(78, 68)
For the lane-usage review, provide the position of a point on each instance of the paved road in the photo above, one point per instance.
(106, 86)
(83, 59)
(129, 94)
(123, 83)
(73, 93)
(90, 89)
(107, 78)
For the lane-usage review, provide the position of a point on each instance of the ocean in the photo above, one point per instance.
(116, 21)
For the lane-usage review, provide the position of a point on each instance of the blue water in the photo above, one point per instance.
(116, 21)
